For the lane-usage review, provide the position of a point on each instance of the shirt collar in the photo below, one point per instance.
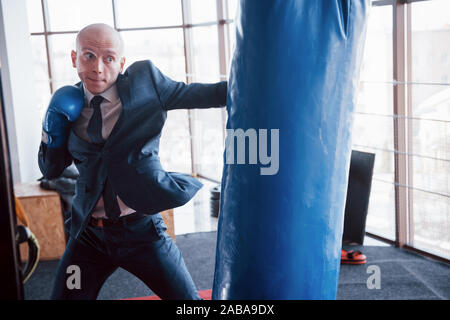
(111, 94)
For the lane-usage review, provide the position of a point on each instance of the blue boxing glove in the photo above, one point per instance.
(65, 106)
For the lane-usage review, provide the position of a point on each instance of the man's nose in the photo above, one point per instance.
(98, 66)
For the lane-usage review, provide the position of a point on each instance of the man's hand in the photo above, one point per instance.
(66, 105)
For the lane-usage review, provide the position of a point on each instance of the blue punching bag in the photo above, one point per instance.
(291, 94)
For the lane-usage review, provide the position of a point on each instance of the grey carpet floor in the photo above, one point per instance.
(403, 275)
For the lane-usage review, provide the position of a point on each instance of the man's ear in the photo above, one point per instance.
(122, 63)
(73, 55)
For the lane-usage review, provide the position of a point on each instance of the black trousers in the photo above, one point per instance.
(141, 247)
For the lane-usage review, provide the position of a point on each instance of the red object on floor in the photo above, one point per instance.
(204, 294)
(352, 257)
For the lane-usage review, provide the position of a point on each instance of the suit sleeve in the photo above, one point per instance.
(53, 161)
(179, 95)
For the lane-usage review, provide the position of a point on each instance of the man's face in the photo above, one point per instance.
(98, 60)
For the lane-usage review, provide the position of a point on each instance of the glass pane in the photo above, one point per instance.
(232, 33)
(206, 54)
(373, 120)
(381, 211)
(208, 138)
(175, 147)
(63, 72)
(431, 223)
(375, 98)
(148, 13)
(35, 21)
(430, 102)
(165, 48)
(67, 15)
(377, 61)
(430, 165)
(431, 175)
(430, 139)
(203, 11)
(430, 24)
(430, 120)
(232, 8)
(373, 131)
(208, 132)
(40, 73)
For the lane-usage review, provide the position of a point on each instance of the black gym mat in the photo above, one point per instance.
(403, 275)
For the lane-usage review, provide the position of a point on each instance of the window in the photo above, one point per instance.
(429, 125)
(374, 114)
(203, 11)
(208, 123)
(148, 13)
(405, 121)
(35, 20)
(65, 15)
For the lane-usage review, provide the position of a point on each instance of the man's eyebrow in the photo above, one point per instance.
(87, 49)
(108, 51)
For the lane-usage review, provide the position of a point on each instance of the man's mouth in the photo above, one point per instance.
(95, 80)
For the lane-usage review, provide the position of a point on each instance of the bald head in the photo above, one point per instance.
(101, 35)
(98, 57)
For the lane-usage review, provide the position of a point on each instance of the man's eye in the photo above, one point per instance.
(89, 55)
(109, 59)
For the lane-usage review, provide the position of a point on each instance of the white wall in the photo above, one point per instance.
(22, 115)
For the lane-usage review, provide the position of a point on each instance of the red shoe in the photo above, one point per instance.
(352, 257)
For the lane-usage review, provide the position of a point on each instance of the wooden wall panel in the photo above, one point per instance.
(44, 212)
(168, 220)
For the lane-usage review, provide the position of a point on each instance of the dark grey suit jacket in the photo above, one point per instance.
(129, 158)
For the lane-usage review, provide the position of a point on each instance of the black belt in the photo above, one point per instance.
(105, 222)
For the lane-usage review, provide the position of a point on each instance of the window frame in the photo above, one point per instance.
(403, 129)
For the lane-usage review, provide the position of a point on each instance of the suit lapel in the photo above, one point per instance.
(123, 90)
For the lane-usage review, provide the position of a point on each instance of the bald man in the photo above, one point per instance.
(109, 125)
(98, 57)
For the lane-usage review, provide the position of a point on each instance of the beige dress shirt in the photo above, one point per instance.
(111, 108)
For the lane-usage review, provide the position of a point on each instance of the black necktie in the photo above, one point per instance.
(94, 128)
(94, 131)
